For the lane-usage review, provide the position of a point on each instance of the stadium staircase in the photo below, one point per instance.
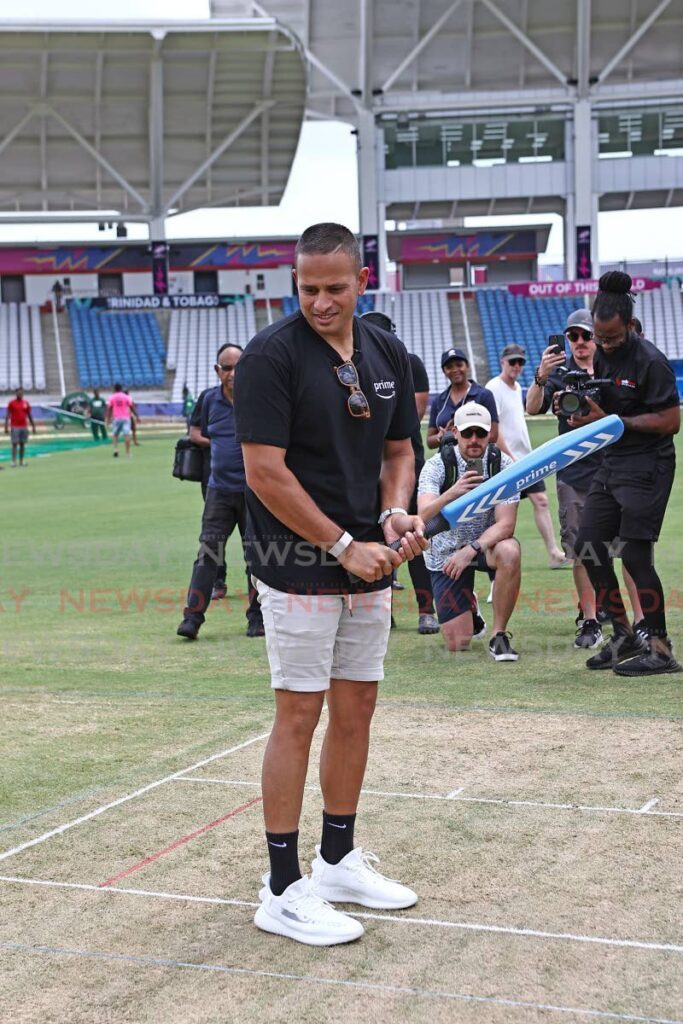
(481, 370)
(22, 354)
(194, 336)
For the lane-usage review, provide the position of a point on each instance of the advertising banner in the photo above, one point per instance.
(584, 265)
(555, 289)
(208, 300)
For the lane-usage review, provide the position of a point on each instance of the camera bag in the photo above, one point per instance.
(188, 463)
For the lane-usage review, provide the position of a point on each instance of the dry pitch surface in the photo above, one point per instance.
(545, 850)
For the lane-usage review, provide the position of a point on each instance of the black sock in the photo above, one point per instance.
(337, 838)
(284, 860)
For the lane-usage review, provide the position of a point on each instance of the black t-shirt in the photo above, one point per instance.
(644, 382)
(579, 474)
(287, 394)
(420, 383)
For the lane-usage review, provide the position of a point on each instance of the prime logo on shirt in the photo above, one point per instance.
(385, 385)
(622, 383)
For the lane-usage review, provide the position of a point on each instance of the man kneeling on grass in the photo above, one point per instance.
(485, 542)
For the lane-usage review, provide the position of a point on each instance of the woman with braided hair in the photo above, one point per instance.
(625, 507)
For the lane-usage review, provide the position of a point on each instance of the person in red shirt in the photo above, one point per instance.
(17, 419)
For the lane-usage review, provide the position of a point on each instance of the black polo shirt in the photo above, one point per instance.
(644, 382)
(196, 421)
(288, 395)
(580, 474)
(420, 383)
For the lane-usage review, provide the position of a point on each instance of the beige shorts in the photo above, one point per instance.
(311, 640)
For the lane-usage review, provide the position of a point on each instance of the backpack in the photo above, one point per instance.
(447, 451)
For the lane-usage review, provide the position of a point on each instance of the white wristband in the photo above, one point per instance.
(340, 546)
(390, 512)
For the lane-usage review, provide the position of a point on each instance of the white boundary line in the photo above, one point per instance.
(363, 986)
(471, 926)
(130, 796)
(454, 797)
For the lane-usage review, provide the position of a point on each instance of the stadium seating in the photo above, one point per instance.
(196, 334)
(22, 359)
(117, 347)
(661, 313)
(423, 323)
(507, 318)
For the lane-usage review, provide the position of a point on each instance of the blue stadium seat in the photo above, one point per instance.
(111, 347)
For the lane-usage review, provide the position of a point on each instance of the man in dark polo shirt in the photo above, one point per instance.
(220, 586)
(630, 491)
(325, 410)
(224, 507)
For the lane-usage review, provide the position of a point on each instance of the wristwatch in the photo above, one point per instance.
(477, 547)
(538, 381)
(390, 512)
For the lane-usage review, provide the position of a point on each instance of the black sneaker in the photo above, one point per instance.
(619, 647)
(651, 663)
(500, 649)
(588, 635)
(602, 616)
(478, 626)
(219, 591)
(256, 629)
(188, 628)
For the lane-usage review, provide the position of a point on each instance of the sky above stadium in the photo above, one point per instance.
(323, 183)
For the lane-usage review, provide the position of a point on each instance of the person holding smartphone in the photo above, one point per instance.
(484, 543)
(573, 483)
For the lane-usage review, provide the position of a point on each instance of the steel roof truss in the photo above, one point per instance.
(83, 142)
(635, 38)
(525, 40)
(255, 112)
(419, 47)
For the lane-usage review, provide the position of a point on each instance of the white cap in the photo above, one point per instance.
(471, 414)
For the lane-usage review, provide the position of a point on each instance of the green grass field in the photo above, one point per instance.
(100, 698)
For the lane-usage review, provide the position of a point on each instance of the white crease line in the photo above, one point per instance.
(131, 796)
(649, 805)
(455, 798)
(363, 986)
(472, 926)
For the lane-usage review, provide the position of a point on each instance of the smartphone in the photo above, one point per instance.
(476, 466)
(556, 343)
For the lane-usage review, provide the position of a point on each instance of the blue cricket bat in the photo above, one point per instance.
(556, 454)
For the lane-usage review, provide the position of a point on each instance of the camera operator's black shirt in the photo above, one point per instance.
(287, 395)
(580, 474)
(644, 382)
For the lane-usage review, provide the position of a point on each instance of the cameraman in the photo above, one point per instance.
(573, 483)
(630, 490)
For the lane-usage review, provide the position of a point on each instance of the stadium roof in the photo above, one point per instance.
(421, 54)
(147, 118)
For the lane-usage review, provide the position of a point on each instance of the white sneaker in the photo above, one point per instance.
(300, 913)
(355, 880)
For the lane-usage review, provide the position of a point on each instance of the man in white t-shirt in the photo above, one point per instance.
(514, 439)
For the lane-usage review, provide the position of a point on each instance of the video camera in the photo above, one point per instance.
(579, 385)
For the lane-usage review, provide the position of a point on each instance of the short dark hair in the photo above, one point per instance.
(117, 387)
(614, 297)
(326, 238)
(228, 344)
